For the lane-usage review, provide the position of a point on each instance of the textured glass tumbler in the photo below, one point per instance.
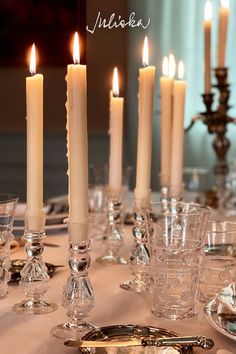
(7, 209)
(218, 262)
(176, 243)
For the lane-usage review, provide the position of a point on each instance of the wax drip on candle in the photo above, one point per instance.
(172, 66)
(145, 52)
(32, 66)
(115, 83)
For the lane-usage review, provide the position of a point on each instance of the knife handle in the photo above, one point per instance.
(197, 341)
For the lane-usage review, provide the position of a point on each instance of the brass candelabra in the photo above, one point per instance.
(217, 120)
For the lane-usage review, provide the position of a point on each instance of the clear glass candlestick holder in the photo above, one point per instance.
(34, 276)
(140, 253)
(176, 192)
(113, 238)
(78, 296)
(7, 209)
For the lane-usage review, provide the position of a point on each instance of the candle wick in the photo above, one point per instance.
(115, 94)
(145, 65)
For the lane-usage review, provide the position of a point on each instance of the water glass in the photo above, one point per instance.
(7, 209)
(176, 243)
(218, 261)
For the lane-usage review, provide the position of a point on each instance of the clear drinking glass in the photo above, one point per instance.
(176, 243)
(218, 262)
(7, 209)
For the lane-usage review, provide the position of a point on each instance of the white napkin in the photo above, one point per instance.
(222, 351)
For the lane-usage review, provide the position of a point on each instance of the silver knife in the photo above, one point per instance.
(197, 341)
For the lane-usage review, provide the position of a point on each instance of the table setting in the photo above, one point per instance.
(111, 270)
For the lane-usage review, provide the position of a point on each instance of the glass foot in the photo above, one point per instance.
(175, 314)
(3, 294)
(70, 330)
(30, 307)
(108, 259)
(135, 286)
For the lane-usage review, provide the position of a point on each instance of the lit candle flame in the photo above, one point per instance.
(181, 70)
(172, 66)
(165, 66)
(76, 52)
(32, 66)
(208, 11)
(225, 3)
(145, 52)
(115, 83)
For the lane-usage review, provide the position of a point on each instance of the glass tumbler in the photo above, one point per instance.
(218, 261)
(7, 209)
(176, 243)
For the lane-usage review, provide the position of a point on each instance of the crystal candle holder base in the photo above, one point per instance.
(140, 253)
(113, 236)
(71, 330)
(34, 278)
(7, 209)
(78, 297)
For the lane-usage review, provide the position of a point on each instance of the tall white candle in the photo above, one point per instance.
(76, 106)
(179, 91)
(222, 32)
(145, 114)
(116, 137)
(34, 116)
(207, 45)
(166, 87)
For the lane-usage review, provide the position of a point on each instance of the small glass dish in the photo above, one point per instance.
(129, 333)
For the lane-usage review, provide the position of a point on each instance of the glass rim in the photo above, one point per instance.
(7, 198)
(201, 209)
(218, 222)
(199, 170)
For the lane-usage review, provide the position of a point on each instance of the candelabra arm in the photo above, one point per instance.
(193, 121)
(231, 120)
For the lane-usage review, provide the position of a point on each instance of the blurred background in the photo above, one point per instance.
(175, 26)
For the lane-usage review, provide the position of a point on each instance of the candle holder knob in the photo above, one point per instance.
(113, 237)
(221, 146)
(34, 277)
(208, 99)
(78, 296)
(140, 258)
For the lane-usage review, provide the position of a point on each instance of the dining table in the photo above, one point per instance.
(30, 334)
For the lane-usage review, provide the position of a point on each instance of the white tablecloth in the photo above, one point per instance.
(28, 334)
